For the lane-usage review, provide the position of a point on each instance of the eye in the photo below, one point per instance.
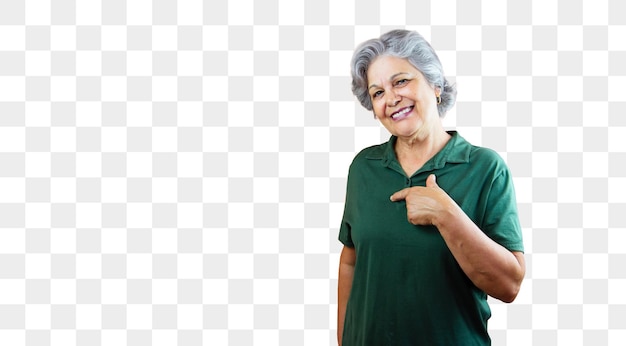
(402, 81)
(377, 93)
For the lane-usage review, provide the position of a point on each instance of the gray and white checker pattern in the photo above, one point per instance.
(173, 173)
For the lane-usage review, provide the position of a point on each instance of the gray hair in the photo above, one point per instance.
(408, 45)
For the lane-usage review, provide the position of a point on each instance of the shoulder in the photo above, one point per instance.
(487, 161)
(368, 162)
(482, 154)
(374, 152)
(491, 166)
(460, 151)
(474, 152)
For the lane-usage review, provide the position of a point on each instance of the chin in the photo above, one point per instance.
(404, 130)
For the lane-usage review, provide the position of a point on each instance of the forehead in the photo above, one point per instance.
(385, 66)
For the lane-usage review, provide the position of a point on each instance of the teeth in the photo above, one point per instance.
(402, 112)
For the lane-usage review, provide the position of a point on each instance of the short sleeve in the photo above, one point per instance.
(345, 229)
(501, 222)
(345, 236)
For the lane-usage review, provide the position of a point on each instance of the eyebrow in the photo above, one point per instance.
(390, 78)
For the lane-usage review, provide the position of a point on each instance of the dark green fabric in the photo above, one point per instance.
(407, 288)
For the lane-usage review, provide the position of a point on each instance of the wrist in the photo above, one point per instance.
(446, 216)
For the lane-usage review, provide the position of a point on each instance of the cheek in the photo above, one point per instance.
(377, 108)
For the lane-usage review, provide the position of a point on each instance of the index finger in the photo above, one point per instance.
(399, 195)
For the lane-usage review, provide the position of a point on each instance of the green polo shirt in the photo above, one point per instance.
(408, 289)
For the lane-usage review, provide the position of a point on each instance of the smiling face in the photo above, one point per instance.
(402, 99)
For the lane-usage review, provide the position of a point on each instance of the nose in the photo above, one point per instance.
(392, 98)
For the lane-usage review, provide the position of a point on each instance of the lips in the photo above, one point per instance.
(402, 113)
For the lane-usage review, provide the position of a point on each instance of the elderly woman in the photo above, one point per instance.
(430, 225)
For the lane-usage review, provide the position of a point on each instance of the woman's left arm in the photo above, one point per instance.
(491, 267)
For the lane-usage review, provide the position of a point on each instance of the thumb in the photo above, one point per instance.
(431, 181)
(399, 195)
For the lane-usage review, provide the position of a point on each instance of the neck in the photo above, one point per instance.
(423, 145)
(414, 152)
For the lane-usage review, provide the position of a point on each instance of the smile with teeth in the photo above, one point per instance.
(401, 112)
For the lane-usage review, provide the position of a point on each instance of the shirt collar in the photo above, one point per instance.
(457, 150)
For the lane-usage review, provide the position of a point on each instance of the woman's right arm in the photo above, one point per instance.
(347, 260)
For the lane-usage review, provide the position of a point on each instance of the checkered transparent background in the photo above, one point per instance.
(173, 173)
